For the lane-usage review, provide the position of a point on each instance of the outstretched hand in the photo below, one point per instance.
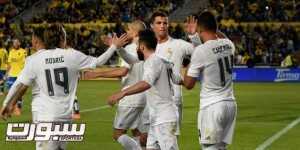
(120, 41)
(115, 98)
(6, 112)
(191, 25)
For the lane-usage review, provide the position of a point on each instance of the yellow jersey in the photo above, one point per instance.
(16, 61)
(3, 59)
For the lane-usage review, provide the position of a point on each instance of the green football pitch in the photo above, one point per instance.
(264, 109)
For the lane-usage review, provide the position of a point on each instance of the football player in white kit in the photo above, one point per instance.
(130, 113)
(173, 50)
(213, 61)
(159, 92)
(54, 73)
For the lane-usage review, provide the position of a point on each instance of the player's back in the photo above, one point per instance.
(56, 74)
(159, 96)
(216, 59)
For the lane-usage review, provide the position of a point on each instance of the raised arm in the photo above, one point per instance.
(114, 73)
(127, 57)
(191, 30)
(116, 44)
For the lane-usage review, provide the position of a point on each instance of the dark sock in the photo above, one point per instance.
(76, 106)
(19, 103)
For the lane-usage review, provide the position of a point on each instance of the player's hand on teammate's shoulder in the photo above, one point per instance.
(191, 25)
(120, 41)
(113, 99)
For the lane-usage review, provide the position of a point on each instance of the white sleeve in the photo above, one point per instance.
(102, 59)
(195, 39)
(125, 64)
(10, 94)
(151, 71)
(27, 75)
(197, 63)
(83, 61)
(127, 57)
(89, 62)
(187, 47)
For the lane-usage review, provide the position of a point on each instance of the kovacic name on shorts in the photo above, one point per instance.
(45, 132)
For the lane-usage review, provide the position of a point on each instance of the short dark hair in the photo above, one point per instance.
(1, 43)
(207, 21)
(148, 38)
(53, 35)
(39, 33)
(157, 14)
(72, 37)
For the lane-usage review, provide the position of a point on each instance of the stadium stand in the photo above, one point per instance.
(263, 10)
(107, 11)
(262, 35)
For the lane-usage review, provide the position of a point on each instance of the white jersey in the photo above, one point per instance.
(174, 50)
(55, 73)
(159, 97)
(134, 75)
(213, 60)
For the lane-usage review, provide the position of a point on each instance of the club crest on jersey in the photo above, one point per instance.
(169, 50)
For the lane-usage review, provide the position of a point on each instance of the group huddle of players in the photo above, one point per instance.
(150, 102)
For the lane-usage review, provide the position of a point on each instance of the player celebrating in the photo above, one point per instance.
(3, 66)
(55, 73)
(16, 60)
(130, 113)
(162, 109)
(213, 60)
(173, 50)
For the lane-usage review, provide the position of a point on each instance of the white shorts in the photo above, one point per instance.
(144, 122)
(162, 137)
(47, 145)
(128, 117)
(216, 122)
(51, 145)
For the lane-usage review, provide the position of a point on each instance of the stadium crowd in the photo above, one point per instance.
(263, 44)
(251, 10)
(107, 11)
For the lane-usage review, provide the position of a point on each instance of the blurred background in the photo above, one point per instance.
(265, 32)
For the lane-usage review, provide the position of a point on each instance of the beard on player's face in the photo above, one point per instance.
(140, 56)
(139, 52)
